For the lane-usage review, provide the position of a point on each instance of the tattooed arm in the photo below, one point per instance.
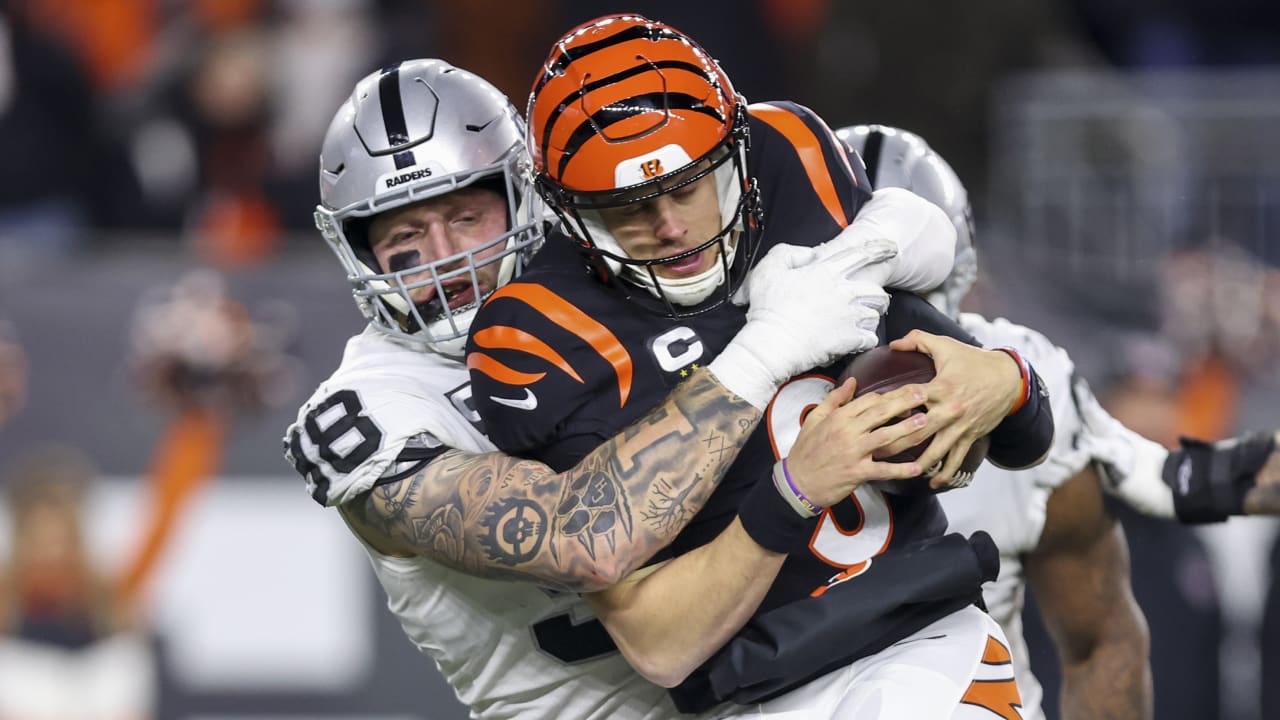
(668, 620)
(584, 529)
(501, 517)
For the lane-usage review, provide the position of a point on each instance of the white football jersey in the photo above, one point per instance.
(1011, 505)
(508, 649)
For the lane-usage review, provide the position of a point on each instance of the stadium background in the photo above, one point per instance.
(1122, 157)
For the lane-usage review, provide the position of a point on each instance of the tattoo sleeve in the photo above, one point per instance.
(584, 529)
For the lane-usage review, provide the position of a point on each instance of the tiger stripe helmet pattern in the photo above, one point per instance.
(626, 109)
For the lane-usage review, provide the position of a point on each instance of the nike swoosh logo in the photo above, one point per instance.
(528, 402)
(900, 643)
(563, 313)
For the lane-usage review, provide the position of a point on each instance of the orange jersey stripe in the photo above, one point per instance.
(844, 158)
(999, 696)
(503, 337)
(852, 571)
(810, 152)
(996, 653)
(480, 362)
(566, 315)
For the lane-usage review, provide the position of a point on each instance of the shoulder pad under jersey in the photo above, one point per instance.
(1066, 457)
(385, 412)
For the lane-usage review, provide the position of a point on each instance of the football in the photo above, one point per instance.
(883, 369)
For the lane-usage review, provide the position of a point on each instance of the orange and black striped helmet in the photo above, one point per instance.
(626, 109)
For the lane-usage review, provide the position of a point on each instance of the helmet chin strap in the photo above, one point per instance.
(456, 347)
(453, 347)
(691, 289)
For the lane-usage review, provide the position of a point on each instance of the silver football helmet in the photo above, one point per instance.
(412, 131)
(897, 158)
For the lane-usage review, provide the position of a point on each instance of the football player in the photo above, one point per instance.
(1052, 528)
(640, 144)
(425, 202)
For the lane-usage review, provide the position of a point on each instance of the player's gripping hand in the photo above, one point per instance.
(971, 393)
(836, 449)
(802, 313)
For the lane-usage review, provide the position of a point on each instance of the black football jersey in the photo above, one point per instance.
(566, 362)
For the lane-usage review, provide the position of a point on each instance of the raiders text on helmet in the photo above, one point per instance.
(409, 132)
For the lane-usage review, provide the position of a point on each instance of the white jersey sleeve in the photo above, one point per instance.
(1068, 455)
(1011, 505)
(509, 649)
(385, 411)
(1130, 465)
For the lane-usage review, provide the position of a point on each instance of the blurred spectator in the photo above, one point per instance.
(113, 39)
(194, 347)
(13, 374)
(46, 131)
(224, 142)
(1222, 303)
(65, 652)
(523, 30)
(225, 102)
(1141, 390)
(199, 355)
(319, 52)
(1181, 33)
(932, 67)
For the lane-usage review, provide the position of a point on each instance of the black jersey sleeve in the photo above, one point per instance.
(783, 648)
(535, 358)
(809, 189)
(908, 311)
(1021, 439)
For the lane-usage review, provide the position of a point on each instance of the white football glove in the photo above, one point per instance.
(803, 312)
(920, 233)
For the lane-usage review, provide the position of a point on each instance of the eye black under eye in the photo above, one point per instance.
(404, 261)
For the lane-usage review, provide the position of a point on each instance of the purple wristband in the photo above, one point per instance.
(811, 507)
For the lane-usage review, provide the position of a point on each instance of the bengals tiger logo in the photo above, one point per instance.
(651, 168)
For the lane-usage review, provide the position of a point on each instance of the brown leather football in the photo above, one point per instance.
(883, 369)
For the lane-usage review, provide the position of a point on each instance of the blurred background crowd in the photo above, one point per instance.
(165, 304)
